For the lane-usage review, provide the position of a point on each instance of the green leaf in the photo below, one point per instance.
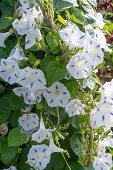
(7, 153)
(89, 167)
(32, 59)
(4, 110)
(97, 78)
(74, 121)
(16, 138)
(39, 106)
(72, 87)
(61, 5)
(74, 19)
(4, 23)
(75, 144)
(44, 63)
(48, 109)
(75, 166)
(61, 20)
(14, 116)
(76, 12)
(53, 40)
(55, 72)
(57, 162)
(22, 165)
(15, 102)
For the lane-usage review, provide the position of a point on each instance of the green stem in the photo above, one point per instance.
(64, 157)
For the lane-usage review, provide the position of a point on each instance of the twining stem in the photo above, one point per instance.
(48, 13)
(90, 148)
(58, 115)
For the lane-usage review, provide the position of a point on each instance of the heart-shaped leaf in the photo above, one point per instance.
(16, 138)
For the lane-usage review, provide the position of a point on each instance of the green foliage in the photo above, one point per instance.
(15, 102)
(55, 72)
(61, 5)
(4, 110)
(75, 144)
(7, 153)
(53, 40)
(16, 138)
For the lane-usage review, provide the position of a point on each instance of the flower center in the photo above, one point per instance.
(39, 156)
(57, 92)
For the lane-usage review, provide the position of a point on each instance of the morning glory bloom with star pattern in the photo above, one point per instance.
(42, 133)
(27, 4)
(33, 14)
(93, 52)
(104, 113)
(9, 71)
(105, 142)
(29, 121)
(29, 96)
(107, 91)
(21, 25)
(74, 107)
(79, 67)
(72, 36)
(33, 79)
(103, 161)
(56, 95)
(38, 157)
(32, 35)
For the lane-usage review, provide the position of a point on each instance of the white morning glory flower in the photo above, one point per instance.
(27, 4)
(53, 148)
(9, 71)
(32, 35)
(93, 52)
(79, 67)
(56, 95)
(104, 113)
(107, 91)
(29, 121)
(38, 157)
(103, 161)
(93, 122)
(3, 37)
(28, 132)
(26, 109)
(74, 2)
(105, 142)
(74, 107)
(68, 76)
(33, 14)
(42, 134)
(99, 20)
(102, 40)
(33, 79)
(11, 168)
(29, 96)
(17, 54)
(21, 25)
(26, 93)
(72, 36)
